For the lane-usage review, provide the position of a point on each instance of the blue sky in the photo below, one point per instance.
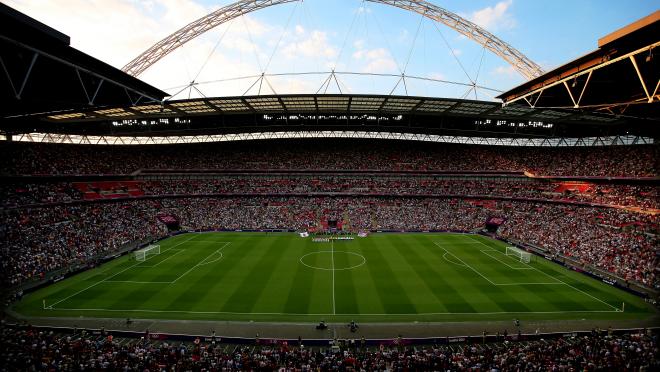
(314, 36)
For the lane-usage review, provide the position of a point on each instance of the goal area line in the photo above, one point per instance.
(486, 252)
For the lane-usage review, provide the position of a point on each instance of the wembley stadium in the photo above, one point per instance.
(309, 185)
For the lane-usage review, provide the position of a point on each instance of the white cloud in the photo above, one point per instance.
(378, 60)
(495, 17)
(505, 71)
(313, 44)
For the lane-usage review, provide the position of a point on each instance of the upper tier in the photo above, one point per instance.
(55, 159)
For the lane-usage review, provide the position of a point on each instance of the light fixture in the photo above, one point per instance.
(574, 83)
(649, 57)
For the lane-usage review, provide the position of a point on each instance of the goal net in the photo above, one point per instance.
(519, 253)
(142, 254)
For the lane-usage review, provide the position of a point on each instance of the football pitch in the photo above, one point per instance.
(285, 278)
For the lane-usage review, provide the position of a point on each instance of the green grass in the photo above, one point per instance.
(381, 278)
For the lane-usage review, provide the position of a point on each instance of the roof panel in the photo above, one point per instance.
(366, 103)
(231, 104)
(333, 103)
(400, 104)
(512, 111)
(299, 103)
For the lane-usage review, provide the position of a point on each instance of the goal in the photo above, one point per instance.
(523, 256)
(141, 254)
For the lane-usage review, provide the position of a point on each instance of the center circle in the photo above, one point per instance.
(333, 260)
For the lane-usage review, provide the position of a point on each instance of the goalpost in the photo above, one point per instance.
(523, 256)
(141, 254)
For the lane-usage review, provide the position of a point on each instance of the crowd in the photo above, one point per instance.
(29, 349)
(345, 154)
(629, 195)
(22, 193)
(596, 237)
(34, 241)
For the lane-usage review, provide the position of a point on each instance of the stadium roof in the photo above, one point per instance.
(52, 88)
(326, 104)
(621, 77)
(223, 115)
(43, 73)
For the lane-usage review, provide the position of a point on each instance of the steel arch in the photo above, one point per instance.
(515, 58)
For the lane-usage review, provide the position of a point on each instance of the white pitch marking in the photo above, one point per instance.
(364, 260)
(212, 261)
(490, 281)
(550, 283)
(450, 261)
(179, 251)
(559, 280)
(135, 282)
(485, 251)
(209, 241)
(322, 314)
(110, 277)
(463, 262)
(200, 262)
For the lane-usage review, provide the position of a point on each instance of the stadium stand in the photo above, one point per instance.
(622, 195)
(47, 159)
(27, 348)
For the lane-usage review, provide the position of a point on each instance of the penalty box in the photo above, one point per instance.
(171, 264)
(495, 266)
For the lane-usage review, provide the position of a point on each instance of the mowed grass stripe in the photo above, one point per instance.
(251, 288)
(320, 300)
(192, 280)
(345, 295)
(365, 284)
(297, 300)
(235, 258)
(435, 279)
(390, 292)
(275, 294)
(418, 282)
